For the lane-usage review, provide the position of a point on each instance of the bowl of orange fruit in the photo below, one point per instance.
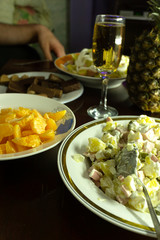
(31, 124)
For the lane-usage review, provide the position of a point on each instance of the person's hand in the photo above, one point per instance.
(48, 43)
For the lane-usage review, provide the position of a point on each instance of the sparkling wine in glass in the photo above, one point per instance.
(108, 41)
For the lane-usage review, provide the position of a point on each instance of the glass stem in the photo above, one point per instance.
(103, 101)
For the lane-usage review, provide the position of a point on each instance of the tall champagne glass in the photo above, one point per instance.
(108, 40)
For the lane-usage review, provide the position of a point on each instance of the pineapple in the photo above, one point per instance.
(143, 76)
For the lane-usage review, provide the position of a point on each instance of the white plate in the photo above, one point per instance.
(92, 82)
(42, 104)
(67, 97)
(75, 176)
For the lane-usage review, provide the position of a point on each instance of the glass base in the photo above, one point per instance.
(98, 112)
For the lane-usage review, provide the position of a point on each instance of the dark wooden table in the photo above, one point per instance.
(34, 202)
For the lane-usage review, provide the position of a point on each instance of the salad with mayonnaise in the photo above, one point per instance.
(82, 64)
(107, 153)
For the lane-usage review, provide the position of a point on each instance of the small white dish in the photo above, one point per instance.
(67, 97)
(76, 178)
(43, 105)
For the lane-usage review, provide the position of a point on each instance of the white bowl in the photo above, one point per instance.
(42, 104)
(93, 82)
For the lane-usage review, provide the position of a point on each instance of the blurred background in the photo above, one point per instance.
(83, 13)
(73, 20)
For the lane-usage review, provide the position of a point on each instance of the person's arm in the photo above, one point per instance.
(48, 42)
(30, 33)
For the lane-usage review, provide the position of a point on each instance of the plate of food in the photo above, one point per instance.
(61, 87)
(80, 65)
(91, 160)
(31, 124)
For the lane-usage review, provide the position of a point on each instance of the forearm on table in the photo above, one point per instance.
(18, 34)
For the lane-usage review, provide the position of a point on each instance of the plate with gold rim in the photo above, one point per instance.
(76, 178)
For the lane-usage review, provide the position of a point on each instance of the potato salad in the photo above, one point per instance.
(107, 153)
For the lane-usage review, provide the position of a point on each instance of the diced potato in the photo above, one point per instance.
(57, 115)
(28, 141)
(152, 186)
(38, 125)
(78, 157)
(95, 144)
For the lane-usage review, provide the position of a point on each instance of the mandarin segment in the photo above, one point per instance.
(4, 140)
(36, 113)
(24, 121)
(38, 125)
(16, 131)
(6, 129)
(2, 148)
(51, 124)
(47, 135)
(46, 116)
(21, 112)
(10, 147)
(27, 133)
(21, 148)
(57, 115)
(7, 117)
(6, 110)
(28, 141)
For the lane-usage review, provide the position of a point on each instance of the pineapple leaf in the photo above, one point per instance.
(155, 11)
(154, 6)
